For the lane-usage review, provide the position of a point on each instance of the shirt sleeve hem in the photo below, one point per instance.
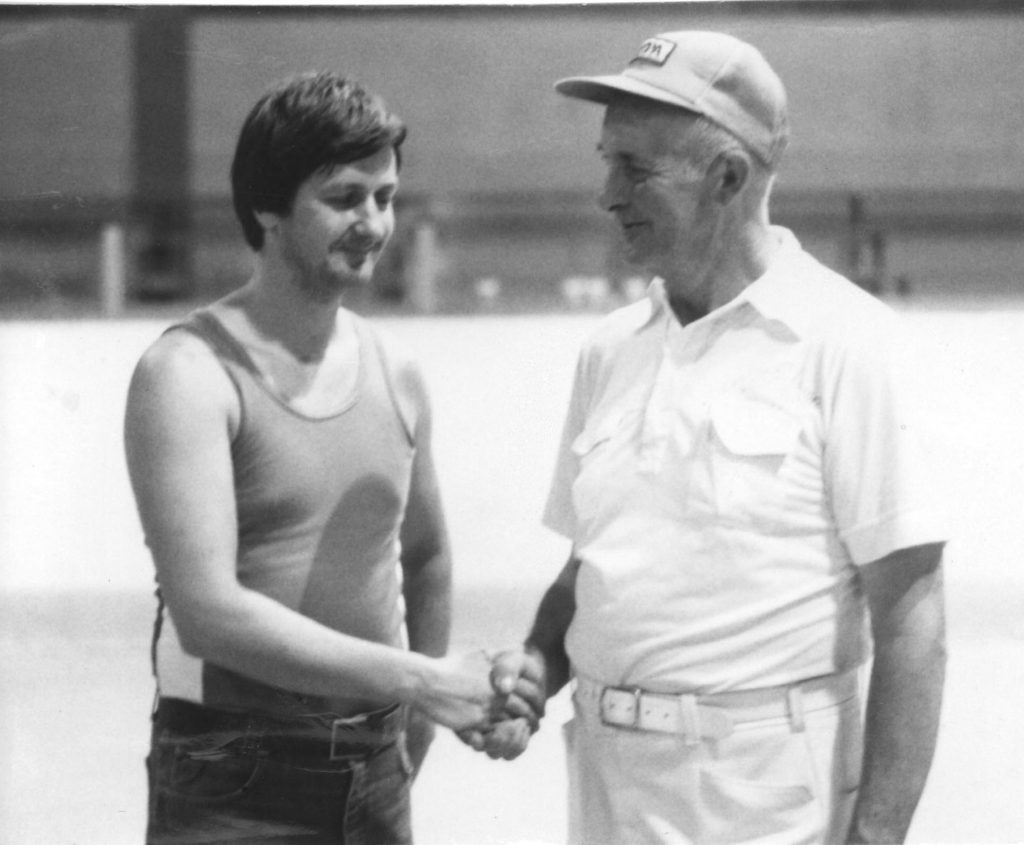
(900, 530)
(559, 523)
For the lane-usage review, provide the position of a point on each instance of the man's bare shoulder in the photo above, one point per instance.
(401, 361)
(411, 392)
(180, 367)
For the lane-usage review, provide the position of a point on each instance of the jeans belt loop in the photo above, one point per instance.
(332, 755)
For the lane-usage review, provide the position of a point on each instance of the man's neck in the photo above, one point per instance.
(742, 260)
(283, 314)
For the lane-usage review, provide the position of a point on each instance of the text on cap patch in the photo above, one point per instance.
(655, 50)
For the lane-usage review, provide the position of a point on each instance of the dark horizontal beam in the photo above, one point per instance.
(938, 210)
(760, 7)
(553, 11)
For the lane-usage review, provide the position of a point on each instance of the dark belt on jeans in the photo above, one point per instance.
(316, 737)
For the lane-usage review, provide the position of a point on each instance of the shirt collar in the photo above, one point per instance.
(657, 298)
(774, 294)
(779, 293)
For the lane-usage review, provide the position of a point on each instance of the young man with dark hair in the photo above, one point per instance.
(279, 450)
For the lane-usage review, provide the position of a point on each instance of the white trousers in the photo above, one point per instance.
(770, 781)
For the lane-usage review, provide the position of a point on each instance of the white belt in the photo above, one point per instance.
(699, 717)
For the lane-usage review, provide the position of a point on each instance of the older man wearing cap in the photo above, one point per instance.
(746, 491)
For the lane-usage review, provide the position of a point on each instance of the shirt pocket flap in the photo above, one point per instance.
(750, 426)
(600, 429)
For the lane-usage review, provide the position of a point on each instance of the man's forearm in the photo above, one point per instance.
(547, 637)
(902, 721)
(905, 696)
(427, 590)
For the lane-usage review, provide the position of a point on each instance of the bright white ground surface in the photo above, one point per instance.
(75, 582)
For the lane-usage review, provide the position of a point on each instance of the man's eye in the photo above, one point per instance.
(384, 200)
(344, 201)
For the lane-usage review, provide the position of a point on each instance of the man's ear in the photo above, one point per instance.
(730, 173)
(267, 219)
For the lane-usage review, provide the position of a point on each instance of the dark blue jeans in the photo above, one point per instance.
(242, 781)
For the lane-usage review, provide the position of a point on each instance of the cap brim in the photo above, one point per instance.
(601, 89)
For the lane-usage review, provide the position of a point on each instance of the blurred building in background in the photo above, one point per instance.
(905, 171)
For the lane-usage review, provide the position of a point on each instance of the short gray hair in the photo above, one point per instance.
(706, 141)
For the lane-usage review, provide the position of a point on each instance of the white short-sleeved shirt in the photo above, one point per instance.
(721, 482)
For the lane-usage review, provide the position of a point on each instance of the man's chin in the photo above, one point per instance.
(353, 274)
(638, 259)
(332, 285)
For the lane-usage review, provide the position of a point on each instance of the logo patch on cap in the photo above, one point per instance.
(655, 50)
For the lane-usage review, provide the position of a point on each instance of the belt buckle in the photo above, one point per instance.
(355, 731)
(336, 724)
(636, 692)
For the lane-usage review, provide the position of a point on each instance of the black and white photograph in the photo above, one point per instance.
(512, 423)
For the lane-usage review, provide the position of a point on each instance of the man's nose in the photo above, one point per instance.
(372, 219)
(615, 192)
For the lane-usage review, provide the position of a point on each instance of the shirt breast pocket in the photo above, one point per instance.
(751, 440)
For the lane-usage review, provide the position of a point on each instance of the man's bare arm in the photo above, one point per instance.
(178, 427)
(905, 596)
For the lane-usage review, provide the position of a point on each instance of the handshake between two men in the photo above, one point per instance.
(500, 701)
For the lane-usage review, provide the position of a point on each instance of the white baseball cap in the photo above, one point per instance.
(716, 75)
